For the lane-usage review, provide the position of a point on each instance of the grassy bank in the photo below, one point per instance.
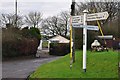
(99, 65)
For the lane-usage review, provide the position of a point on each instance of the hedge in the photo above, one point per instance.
(16, 42)
(59, 49)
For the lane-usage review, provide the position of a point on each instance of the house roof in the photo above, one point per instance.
(60, 39)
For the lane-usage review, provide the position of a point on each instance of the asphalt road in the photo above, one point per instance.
(23, 68)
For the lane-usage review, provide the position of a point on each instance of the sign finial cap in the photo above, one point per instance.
(85, 11)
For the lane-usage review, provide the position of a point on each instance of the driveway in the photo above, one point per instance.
(22, 68)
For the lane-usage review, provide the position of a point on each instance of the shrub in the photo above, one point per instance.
(16, 42)
(35, 32)
(59, 49)
(45, 44)
(32, 32)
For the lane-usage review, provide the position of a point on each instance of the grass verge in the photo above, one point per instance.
(99, 65)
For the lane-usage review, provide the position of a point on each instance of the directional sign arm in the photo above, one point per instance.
(89, 27)
(95, 28)
(97, 16)
(77, 19)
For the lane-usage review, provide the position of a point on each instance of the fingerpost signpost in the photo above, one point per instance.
(81, 22)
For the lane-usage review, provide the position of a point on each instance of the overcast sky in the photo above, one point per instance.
(48, 8)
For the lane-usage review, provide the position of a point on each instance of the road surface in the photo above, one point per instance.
(22, 68)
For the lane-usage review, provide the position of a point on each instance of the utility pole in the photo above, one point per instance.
(73, 30)
(16, 13)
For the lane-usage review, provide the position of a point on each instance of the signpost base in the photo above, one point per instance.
(84, 70)
(71, 61)
(70, 66)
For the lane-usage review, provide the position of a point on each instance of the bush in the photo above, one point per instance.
(45, 44)
(16, 42)
(35, 32)
(59, 49)
(32, 32)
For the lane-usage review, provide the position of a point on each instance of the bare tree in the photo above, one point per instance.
(1, 23)
(92, 6)
(48, 25)
(10, 19)
(56, 25)
(52, 26)
(64, 20)
(33, 19)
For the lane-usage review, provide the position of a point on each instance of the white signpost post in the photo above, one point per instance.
(84, 39)
(81, 22)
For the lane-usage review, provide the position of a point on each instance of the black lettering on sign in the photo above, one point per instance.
(83, 39)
